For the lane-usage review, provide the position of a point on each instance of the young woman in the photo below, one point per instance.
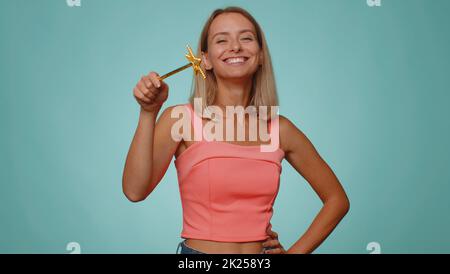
(228, 188)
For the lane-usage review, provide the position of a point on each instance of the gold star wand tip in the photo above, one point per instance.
(194, 62)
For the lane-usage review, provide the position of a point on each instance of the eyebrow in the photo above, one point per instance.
(241, 31)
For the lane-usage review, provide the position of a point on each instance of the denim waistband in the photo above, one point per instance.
(188, 250)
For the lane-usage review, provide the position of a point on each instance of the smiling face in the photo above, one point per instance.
(233, 48)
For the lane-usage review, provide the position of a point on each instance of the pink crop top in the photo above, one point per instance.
(227, 190)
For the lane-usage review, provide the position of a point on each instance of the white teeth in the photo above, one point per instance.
(235, 60)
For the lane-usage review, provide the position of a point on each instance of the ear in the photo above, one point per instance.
(205, 61)
(261, 58)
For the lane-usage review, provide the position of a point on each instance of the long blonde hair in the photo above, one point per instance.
(263, 92)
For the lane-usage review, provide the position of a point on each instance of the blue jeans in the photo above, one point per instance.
(188, 250)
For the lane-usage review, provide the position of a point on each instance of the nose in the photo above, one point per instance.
(236, 45)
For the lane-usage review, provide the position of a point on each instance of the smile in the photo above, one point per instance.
(235, 60)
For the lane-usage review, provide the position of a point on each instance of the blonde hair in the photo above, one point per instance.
(263, 92)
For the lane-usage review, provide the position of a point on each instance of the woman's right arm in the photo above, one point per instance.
(152, 147)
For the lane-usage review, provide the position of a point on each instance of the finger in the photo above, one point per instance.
(274, 251)
(146, 81)
(146, 91)
(266, 243)
(142, 103)
(139, 95)
(154, 78)
(164, 86)
(273, 234)
(271, 243)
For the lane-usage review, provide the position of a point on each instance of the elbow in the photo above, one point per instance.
(341, 204)
(133, 196)
(346, 205)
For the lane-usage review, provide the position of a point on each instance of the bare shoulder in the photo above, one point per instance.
(172, 114)
(290, 135)
(173, 120)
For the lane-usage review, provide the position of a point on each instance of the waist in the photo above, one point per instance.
(212, 247)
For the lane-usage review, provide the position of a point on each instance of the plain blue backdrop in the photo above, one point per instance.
(368, 85)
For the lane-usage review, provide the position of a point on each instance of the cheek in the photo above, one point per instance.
(214, 56)
(255, 50)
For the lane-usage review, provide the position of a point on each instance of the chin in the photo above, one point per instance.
(236, 74)
(236, 77)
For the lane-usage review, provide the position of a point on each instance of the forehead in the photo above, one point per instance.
(230, 22)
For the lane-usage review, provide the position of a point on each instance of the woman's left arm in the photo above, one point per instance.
(302, 155)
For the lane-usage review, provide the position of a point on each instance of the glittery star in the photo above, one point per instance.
(194, 62)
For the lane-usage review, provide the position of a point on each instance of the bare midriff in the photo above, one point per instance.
(212, 247)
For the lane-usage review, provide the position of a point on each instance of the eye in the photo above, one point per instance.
(220, 41)
(247, 38)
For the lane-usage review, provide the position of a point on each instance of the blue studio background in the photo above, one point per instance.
(367, 84)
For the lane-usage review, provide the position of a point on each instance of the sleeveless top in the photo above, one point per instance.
(227, 190)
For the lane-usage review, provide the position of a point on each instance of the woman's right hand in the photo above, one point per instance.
(150, 92)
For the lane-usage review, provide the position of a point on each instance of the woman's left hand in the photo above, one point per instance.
(273, 243)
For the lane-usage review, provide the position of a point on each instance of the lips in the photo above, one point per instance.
(237, 60)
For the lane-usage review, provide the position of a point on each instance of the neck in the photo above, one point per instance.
(233, 93)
